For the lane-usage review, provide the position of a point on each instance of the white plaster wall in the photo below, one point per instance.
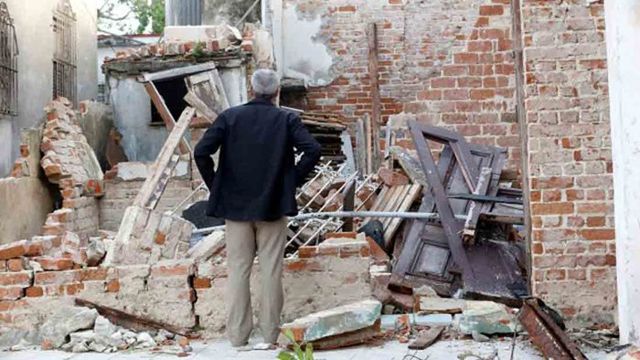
(623, 47)
(33, 20)
(132, 116)
(312, 64)
(132, 112)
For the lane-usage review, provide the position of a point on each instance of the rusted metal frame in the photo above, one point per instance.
(450, 225)
(548, 337)
(165, 114)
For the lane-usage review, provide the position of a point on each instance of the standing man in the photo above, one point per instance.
(254, 191)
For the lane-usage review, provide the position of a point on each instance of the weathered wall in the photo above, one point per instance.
(216, 12)
(20, 219)
(118, 195)
(132, 112)
(96, 120)
(179, 292)
(449, 62)
(623, 23)
(566, 100)
(33, 23)
(313, 283)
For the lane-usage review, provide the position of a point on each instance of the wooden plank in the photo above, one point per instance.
(410, 198)
(376, 109)
(165, 114)
(347, 150)
(426, 338)
(348, 204)
(177, 72)
(201, 107)
(361, 144)
(129, 321)
(154, 185)
(368, 130)
(208, 87)
(394, 202)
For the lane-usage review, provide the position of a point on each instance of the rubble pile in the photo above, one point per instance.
(218, 40)
(419, 244)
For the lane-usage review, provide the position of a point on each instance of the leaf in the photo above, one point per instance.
(285, 356)
(289, 335)
(309, 352)
(298, 350)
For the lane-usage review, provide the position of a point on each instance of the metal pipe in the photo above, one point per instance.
(345, 214)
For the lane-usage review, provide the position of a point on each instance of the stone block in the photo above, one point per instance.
(340, 320)
(431, 305)
(211, 245)
(486, 317)
(66, 321)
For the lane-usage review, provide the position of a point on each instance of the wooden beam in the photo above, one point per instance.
(177, 72)
(154, 186)
(129, 321)
(194, 101)
(376, 109)
(165, 114)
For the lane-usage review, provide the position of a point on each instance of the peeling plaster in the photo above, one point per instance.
(305, 56)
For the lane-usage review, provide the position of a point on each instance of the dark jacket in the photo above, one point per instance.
(257, 177)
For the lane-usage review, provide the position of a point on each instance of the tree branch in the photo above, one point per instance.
(111, 17)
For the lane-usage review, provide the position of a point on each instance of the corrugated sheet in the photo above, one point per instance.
(183, 12)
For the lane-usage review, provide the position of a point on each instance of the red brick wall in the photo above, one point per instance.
(570, 157)
(449, 62)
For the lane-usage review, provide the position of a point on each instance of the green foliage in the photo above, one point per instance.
(198, 50)
(146, 12)
(298, 353)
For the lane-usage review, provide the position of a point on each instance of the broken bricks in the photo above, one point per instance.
(147, 236)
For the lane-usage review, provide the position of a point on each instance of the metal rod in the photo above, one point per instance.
(345, 214)
(189, 197)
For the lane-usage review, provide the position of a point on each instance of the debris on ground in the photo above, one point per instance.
(433, 227)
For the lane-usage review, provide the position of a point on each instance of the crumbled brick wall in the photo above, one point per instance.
(448, 62)
(570, 158)
(178, 292)
(118, 195)
(313, 283)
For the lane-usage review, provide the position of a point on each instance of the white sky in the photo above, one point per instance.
(126, 26)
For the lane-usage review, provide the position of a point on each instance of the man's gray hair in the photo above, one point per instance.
(265, 82)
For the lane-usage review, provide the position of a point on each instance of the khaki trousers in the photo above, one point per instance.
(244, 240)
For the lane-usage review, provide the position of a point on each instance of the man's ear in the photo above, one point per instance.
(276, 98)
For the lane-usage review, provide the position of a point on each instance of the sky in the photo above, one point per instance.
(126, 26)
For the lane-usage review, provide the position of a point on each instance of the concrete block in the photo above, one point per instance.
(486, 317)
(340, 320)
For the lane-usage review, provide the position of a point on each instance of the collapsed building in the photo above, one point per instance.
(504, 108)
